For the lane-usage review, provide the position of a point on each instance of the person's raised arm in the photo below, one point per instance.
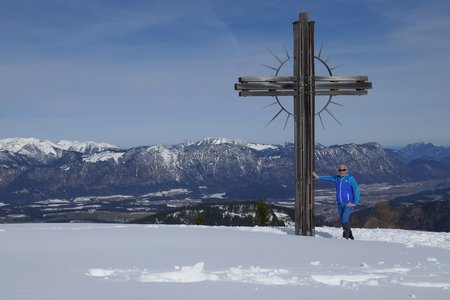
(327, 178)
(314, 174)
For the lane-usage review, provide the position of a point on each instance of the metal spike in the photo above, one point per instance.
(333, 116)
(271, 104)
(281, 110)
(333, 68)
(287, 119)
(338, 104)
(321, 121)
(276, 57)
(320, 50)
(331, 55)
(287, 52)
(275, 69)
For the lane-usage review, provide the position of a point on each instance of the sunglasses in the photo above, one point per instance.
(342, 170)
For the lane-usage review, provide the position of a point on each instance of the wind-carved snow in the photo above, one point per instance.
(100, 272)
(197, 273)
(187, 274)
(343, 280)
(103, 156)
(258, 275)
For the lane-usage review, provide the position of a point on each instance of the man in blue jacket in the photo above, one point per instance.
(347, 196)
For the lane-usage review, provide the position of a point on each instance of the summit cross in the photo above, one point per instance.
(303, 85)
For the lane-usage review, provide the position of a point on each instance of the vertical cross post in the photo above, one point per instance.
(303, 85)
(304, 124)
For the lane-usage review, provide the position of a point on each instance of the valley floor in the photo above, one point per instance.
(126, 208)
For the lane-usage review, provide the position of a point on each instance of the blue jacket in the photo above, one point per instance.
(347, 190)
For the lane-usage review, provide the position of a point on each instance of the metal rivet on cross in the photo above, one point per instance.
(303, 85)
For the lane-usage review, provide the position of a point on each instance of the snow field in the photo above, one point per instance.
(98, 261)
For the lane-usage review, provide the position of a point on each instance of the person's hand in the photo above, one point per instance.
(314, 174)
(350, 204)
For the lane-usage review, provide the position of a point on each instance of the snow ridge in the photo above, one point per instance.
(85, 147)
(26, 145)
(221, 141)
(19, 145)
(103, 156)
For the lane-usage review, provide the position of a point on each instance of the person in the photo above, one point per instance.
(347, 196)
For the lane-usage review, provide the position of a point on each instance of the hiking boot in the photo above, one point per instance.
(347, 234)
(351, 235)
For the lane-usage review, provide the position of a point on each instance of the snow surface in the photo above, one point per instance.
(217, 141)
(18, 145)
(217, 196)
(171, 192)
(103, 156)
(220, 141)
(261, 147)
(108, 261)
(83, 147)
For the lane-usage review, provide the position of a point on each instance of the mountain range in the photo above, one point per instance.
(86, 176)
(31, 169)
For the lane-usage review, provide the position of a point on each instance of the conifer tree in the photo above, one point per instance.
(263, 213)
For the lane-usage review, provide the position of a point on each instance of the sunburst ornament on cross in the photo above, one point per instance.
(282, 61)
(303, 86)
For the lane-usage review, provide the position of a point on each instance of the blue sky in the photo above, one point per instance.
(149, 72)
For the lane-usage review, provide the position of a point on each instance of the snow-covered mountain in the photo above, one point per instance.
(33, 150)
(105, 261)
(33, 170)
(220, 141)
(85, 147)
(22, 145)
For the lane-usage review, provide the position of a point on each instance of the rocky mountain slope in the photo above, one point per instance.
(33, 170)
(88, 181)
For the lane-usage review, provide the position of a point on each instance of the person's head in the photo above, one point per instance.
(342, 170)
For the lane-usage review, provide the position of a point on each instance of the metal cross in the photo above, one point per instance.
(304, 85)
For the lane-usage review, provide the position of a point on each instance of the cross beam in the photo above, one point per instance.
(303, 86)
(287, 86)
